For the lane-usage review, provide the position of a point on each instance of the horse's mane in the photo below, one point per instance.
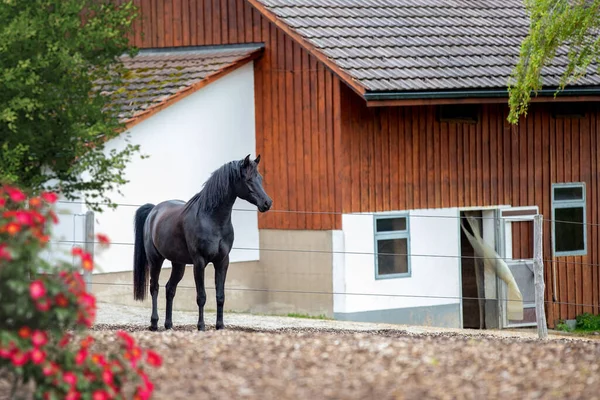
(216, 187)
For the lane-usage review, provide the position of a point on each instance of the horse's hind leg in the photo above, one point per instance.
(155, 261)
(176, 276)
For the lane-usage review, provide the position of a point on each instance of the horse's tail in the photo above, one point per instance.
(140, 261)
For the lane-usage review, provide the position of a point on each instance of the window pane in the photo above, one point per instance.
(396, 259)
(568, 193)
(569, 236)
(391, 224)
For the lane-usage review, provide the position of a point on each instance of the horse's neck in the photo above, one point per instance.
(219, 210)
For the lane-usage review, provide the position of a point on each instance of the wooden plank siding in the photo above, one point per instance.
(429, 164)
(296, 103)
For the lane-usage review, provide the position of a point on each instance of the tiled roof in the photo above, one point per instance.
(157, 75)
(415, 45)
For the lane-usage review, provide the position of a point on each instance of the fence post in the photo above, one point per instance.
(89, 245)
(538, 274)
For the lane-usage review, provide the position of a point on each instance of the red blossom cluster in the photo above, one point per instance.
(30, 219)
(61, 367)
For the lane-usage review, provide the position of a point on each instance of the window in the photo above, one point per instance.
(568, 217)
(391, 247)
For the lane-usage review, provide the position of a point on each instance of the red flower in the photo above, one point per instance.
(77, 251)
(61, 300)
(99, 359)
(35, 202)
(153, 358)
(80, 357)
(73, 395)
(37, 289)
(25, 332)
(39, 338)
(38, 356)
(49, 369)
(12, 228)
(100, 395)
(129, 341)
(133, 355)
(70, 378)
(87, 342)
(15, 194)
(24, 218)
(86, 261)
(4, 254)
(142, 394)
(65, 340)
(147, 382)
(107, 376)
(7, 352)
(37, 217)
(49, 197)
(43, 305)
(2, 202)
(19, 359)
(103, 239)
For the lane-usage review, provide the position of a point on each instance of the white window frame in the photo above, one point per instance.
(404, 234)
(569, 204)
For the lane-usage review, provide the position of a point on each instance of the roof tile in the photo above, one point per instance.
(157, 74)
(420, 44)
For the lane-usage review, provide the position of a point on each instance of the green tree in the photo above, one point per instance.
(569, 24)
(57, 59)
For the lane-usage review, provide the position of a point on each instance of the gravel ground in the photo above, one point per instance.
(261, 357)
(267, 357)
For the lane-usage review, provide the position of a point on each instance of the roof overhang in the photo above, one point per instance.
(476, 96)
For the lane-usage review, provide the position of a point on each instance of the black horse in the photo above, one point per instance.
(197, 232)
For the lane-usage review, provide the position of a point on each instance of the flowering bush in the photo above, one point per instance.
(44, 308)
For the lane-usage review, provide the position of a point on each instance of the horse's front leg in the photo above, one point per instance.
(176, 275)
(199, 267)
(220, 275)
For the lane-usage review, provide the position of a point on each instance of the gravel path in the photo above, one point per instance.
(267, 357)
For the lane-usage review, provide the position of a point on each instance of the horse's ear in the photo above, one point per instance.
(246, 161)
(257, 159)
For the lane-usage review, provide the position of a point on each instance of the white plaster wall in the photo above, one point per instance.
(186, 142)
(432, 232)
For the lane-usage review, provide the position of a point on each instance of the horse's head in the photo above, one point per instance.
(250, 187)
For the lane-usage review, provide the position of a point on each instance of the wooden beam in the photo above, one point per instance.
(344, 76)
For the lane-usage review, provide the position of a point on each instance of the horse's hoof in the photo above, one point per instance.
(220, 326)
(168, 325)
(201, 327)
(153, 328)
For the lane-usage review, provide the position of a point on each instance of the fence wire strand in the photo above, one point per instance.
(307, 212)
(359, 253)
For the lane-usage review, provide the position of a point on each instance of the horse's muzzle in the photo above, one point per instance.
(266, 206)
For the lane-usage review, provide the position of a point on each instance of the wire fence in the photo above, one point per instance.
(362, 253)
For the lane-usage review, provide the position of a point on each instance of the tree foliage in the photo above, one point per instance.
(53, 121)
(572, 25)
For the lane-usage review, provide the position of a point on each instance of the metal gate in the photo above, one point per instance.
(521, 268)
